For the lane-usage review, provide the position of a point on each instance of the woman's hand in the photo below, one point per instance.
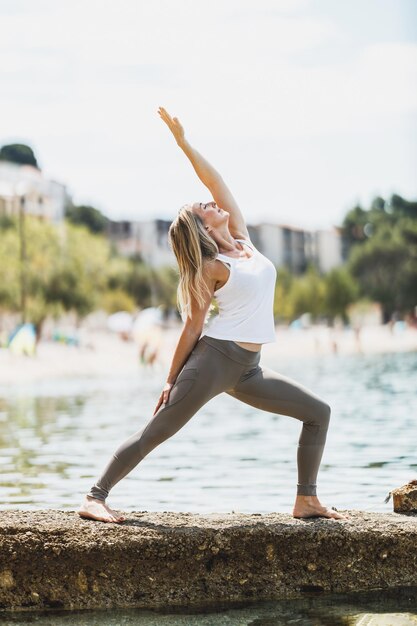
(173, 124)
(163, 398)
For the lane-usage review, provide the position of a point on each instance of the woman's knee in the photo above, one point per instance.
(324, 414)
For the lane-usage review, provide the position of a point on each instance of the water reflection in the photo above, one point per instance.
(57, 436)
(391, 607)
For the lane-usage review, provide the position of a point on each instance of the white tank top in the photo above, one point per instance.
(246, 300)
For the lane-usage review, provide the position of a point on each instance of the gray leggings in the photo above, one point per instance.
(214, 366)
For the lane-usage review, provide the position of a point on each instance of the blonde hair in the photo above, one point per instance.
(192, 245)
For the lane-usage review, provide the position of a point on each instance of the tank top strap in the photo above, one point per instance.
(224, 257)
(248, 242)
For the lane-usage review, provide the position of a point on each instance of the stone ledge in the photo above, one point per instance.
(53, 558)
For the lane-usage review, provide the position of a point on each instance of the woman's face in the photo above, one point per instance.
(210, 213)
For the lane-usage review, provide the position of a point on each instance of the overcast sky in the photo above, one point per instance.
(304, 106)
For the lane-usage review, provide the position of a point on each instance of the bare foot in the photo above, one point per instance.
(92, 508)
(309, 506)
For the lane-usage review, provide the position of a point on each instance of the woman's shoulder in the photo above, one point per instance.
(213, 271)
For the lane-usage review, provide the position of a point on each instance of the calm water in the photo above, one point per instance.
(395, 607)
(57, 436)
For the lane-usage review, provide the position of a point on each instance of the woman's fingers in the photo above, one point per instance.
(158, 405)
(166, 117)
(163, 398)
(173, 124)
(163, 113)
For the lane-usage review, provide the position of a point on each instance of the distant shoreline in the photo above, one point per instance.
(104, 354)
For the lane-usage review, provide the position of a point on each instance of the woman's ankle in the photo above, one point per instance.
(93, 498)
(306, 499)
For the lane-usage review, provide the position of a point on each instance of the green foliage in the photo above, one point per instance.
(65, 269)
(78, 274)
(386, 266)
(328, 295)
(399, 207)
(87, 216)
(138, 283)
(283, 309)
(9, 270)
(68, 268)
(340, 291)
(18, 153)
(307, 294)
(116, 300)
(166, 279)
(382, 244)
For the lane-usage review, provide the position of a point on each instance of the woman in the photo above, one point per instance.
(216, 258)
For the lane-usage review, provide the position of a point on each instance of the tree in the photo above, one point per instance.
(64, 271)
(340, 291)
(282, 304)
(400, 207)
(9, 270)
(18, 153)
(79, 271)
(386, 269)
(87, 216)
(383, 252)
(306, 294)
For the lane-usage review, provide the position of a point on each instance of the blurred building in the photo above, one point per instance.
(24, 186)
(147, 239)
(284, 245)
(328, 249)
(295, 248)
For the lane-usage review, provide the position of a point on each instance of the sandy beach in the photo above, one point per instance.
(103, 353)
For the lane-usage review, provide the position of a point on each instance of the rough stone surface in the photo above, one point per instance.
(405, 498)
(54, 558)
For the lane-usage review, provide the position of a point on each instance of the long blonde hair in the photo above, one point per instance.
(192, 245)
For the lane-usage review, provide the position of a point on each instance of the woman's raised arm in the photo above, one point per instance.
(208, 175)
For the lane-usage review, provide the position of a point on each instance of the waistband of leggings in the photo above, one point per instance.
(233, 350)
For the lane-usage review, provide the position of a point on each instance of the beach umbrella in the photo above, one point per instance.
(147, 325)
(148, 317)
(120, 322)
(23, 340)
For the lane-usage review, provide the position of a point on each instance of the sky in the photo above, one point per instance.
(305, 107)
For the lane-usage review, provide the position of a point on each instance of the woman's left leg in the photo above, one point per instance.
(265, 389)
(270, 391)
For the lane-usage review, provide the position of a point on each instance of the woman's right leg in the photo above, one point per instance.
(206, 373)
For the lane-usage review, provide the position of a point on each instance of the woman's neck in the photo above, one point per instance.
(225, 241)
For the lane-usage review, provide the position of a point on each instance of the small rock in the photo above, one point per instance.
(270, 552)
(82, 582)
(404, 498)
(6, 579)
